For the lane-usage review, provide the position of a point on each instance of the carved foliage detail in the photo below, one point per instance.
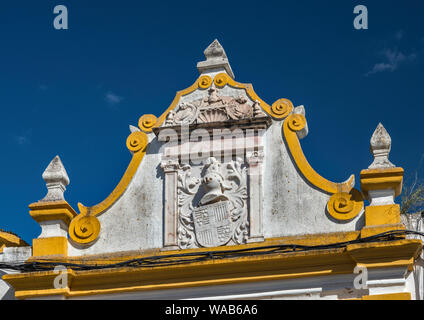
(214, 108)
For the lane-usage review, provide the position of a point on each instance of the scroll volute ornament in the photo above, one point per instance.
(137, 141)
(204, 81)
(345, 206)
(84, 228)
(221, 80)
(296, 122)
(147, 122)
(281, 108)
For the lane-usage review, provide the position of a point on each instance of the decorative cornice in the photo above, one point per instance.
(400, 253)
(56, 210)
(380, 179)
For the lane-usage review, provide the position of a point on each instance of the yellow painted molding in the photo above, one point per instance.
(201, 82)
(292, 124)
(389, 296)
(139, 151)
(386, 296)
(220, 80)
(8, 239)
(369, 231)
(380, 179)
(52, 210)
(307, 240)
(222, 271)
(380, 215)
(385, 254)
(50, 246)
(85, 227)
(223, 79)
(279, 110)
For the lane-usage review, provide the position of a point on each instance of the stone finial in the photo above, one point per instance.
(380, 148)
(56, 180)
(215, 59)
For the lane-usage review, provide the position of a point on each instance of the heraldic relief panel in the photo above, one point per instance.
(220, 216)
(212, 197)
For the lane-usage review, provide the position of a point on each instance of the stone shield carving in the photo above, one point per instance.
(220, 216)
(212, 224)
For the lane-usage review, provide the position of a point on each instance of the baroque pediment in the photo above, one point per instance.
(254, 175)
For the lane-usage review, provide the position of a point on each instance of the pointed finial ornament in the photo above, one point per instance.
(56, 180)
(380, 146)
(216, 59)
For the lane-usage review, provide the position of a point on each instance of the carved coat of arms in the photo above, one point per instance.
(221, 214)
(212, 224)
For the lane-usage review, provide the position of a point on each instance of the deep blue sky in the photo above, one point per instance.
(74, 92)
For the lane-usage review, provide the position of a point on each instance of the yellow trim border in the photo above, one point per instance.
(297, 122)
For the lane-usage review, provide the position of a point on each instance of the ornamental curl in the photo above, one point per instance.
(281, 108)
(84, 229)
(345, 206)
(137, 141)
(147, 122)
(296, 122)
(221, 80)
(204, 82)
